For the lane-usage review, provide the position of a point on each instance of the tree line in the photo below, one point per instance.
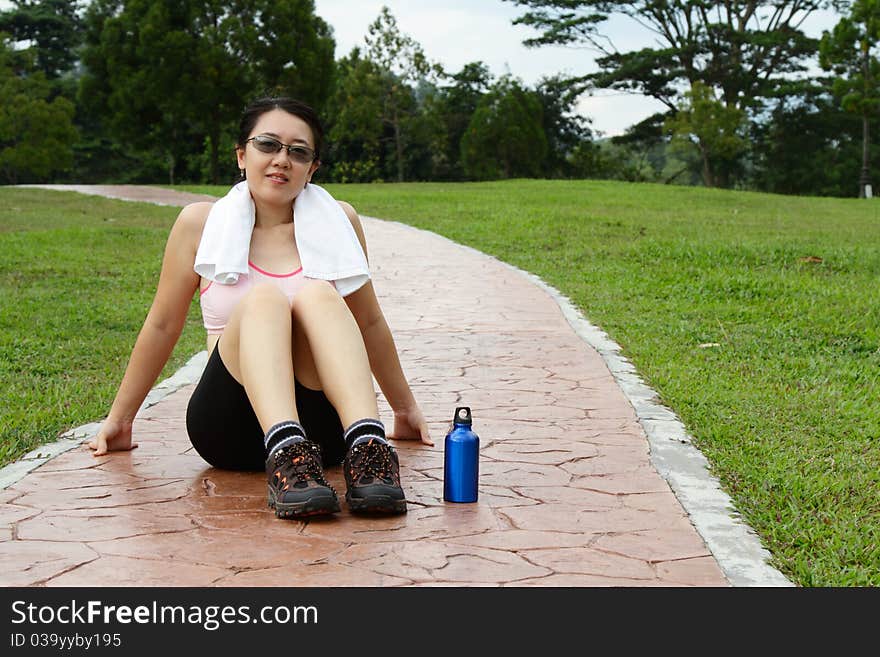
(151, 90)
(751, 100)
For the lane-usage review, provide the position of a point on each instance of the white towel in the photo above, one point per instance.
(328, 246)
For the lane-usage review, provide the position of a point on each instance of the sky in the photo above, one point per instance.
(455, 32)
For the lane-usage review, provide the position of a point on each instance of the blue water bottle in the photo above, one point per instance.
(461, 465)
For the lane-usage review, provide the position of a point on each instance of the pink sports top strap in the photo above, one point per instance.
(218, 301)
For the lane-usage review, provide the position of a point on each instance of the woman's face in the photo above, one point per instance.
(277, 178)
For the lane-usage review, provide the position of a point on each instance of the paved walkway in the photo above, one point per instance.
(568, 492)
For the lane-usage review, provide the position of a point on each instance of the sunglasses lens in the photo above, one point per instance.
(301, 155)
(266, 144)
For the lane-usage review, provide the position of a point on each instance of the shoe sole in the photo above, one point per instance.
(376, 504)
(318, 505)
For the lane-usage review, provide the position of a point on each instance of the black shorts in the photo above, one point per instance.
(225, 431)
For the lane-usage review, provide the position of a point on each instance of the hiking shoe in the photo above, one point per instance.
(297, 487)
(372, 477)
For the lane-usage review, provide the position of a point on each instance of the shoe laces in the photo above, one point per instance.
(297, 463)
(372, 459)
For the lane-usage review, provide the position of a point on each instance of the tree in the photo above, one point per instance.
(451, 110)
(52, 27)
(144, 74)
(644, 153)
(715, 129)
(426, 130)
(36, 133)
(740, 50)
(170, 75)
(405, 62)
(807, 145)
(505, 137)
(563, 128)
(850, 52)
(355, 126)
(288, 48)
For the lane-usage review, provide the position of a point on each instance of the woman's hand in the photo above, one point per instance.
(114, 436)
(410, 424)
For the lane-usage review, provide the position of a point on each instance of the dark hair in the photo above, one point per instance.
(257, 108)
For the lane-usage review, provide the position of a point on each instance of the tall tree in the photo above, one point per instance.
(716, 130)
(850, 51)
(144, 61)
(740, 49)
(505, 137)
(289, 48)
(52, 27)
(564, 129)
(807, 145)
(171, 75)
(355, 126)
(405, 61)
(36, 132)
(452, 108)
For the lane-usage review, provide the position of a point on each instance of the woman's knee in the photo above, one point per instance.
(314, 292)
(265, 295)
(263, 302)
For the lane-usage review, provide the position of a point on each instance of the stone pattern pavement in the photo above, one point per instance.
(568, 495)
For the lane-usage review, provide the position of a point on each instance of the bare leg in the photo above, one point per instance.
(338, 350)
(371, 467)
(256, 349)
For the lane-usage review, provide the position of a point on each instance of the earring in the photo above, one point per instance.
(242, 172)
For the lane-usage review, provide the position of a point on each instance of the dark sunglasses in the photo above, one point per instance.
(296, 152)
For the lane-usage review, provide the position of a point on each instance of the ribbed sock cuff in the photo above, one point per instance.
(364, 430)
(282, 434)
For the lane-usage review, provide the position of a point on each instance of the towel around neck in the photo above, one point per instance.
(328, 245)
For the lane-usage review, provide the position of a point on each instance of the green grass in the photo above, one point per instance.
(77, 276)
(786, 408)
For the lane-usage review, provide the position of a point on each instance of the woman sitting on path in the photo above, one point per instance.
(288, 386)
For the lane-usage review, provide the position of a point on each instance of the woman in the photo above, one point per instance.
(288, 386)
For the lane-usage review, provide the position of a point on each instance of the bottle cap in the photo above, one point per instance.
(462, 415)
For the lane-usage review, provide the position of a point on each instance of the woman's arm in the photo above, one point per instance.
(382, 352)
(160, 332)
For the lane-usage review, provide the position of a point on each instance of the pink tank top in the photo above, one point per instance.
(217, 300)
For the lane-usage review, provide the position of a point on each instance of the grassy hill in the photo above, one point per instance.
(77, 277)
